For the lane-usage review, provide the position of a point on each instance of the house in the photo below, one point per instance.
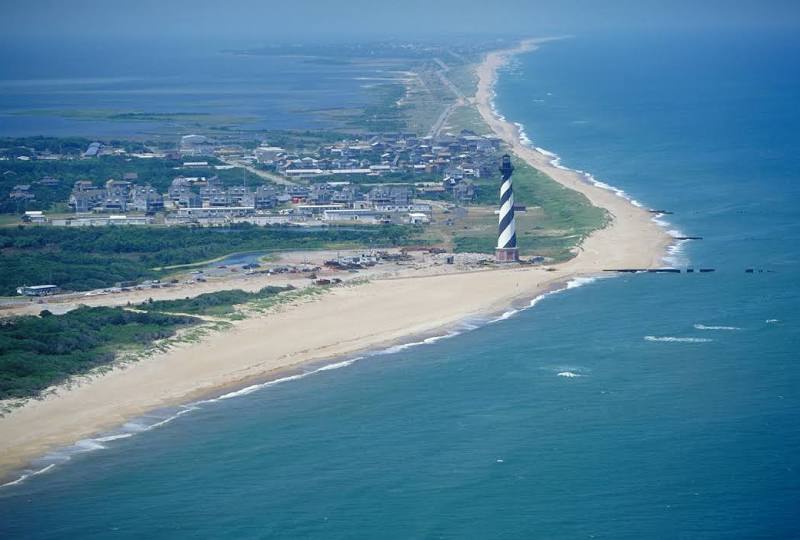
(117, 188)
(320, 194)
(316, 209)
(189, 200)
(219, 199)
(391, 195)
(146, 199)
(351, 214)
(346, 196)
(102, 221)
(216, 212)
(38, 290)
(302, 173)
(237, 195)
(116, 196)
(93, 150)
(34, 216)
(22, 192)
(195, 145)
(129, 220)
(49, 181)
(266, 154)
(264, 198)
(179, 188)
(417, 218)
(85, 196)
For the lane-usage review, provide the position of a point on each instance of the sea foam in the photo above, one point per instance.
(675, 254)
(704, 327)
(672, 339)
(27, 474)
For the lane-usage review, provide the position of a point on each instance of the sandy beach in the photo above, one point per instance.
(344, 321)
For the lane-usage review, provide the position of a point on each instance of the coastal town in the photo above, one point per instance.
(375, 180)
(383, 179)
(434, 190)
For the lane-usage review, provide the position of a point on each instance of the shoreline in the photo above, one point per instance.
(348, 321)
(629, 221)
(169, 412)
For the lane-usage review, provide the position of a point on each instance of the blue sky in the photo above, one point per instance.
(295, 19)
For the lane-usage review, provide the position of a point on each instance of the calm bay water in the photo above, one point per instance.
(247, 91)
(649, 406)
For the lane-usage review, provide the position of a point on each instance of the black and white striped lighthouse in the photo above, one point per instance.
(507, 236)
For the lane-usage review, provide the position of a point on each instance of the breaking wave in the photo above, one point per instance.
(675, 252)
(704, 327)
(671, 339)
(129, 429)
(27, 474)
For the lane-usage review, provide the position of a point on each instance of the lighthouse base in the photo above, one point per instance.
(506, 255)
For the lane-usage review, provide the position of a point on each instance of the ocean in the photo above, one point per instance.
(642, 406)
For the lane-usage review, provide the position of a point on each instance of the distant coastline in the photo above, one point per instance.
(630, 224)
(340, 324)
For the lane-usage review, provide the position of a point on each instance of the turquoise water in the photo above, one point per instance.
(646, 406)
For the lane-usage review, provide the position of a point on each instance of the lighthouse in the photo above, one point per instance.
(507, 235)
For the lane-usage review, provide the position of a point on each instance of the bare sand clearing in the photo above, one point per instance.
(343, 321)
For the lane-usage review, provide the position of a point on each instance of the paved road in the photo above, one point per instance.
(460, 99)
(272, 177)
